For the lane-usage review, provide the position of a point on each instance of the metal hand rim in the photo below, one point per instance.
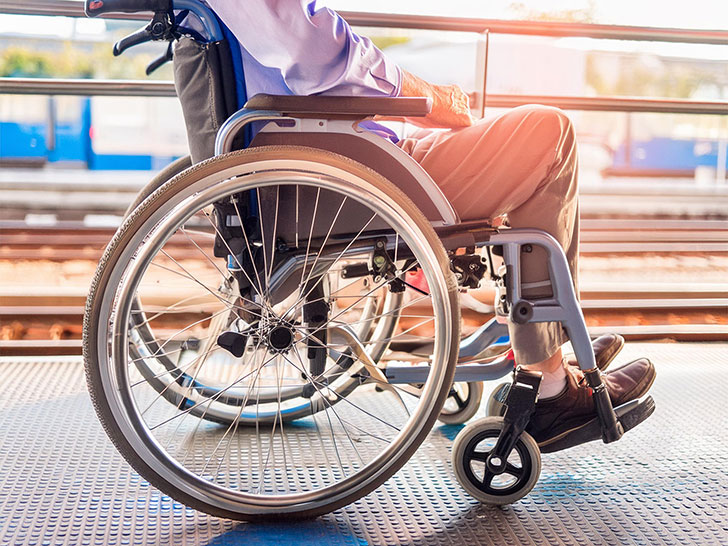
(208, 190)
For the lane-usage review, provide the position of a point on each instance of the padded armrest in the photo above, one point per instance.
(341, 107)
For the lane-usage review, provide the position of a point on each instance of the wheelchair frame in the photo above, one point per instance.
(295, 123)
(554, 309)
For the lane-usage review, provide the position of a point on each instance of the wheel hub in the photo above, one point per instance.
(280, 338)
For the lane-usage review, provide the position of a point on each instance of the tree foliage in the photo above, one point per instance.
(71, 62)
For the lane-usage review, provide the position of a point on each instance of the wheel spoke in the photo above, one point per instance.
(458, 399)
(325, 401)
(326, 412)
(233, 426)
(488, 478)
(323, 274)
(318, 254)
(515, 471)
(178, 332)
(209, 399)
(479, 456)
(310, 236)
(349, 307)
(235, 258)
(214, 294)
(207, 257)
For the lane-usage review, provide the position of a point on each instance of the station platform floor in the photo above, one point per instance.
(666, 482)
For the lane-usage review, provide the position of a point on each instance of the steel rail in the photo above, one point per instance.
(21, 234)
(84, 87)
(74, 8)
(125, 88)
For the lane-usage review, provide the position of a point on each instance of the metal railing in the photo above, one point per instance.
(74, 8)
(143, 88)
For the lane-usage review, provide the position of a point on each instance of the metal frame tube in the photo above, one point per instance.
(564, 306)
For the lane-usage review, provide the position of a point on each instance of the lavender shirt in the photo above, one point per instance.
(293, 47)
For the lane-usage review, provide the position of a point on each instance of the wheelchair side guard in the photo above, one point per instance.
(411, 177)
(519, 398)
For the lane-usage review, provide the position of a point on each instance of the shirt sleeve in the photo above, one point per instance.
(314, 48)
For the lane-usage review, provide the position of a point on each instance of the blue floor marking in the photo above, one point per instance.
(449, 431)
(300, 533)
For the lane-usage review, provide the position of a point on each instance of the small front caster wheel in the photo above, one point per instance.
(470, 452)
(495, 406)
(462, 403)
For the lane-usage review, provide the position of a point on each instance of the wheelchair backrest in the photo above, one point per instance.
(210, 85)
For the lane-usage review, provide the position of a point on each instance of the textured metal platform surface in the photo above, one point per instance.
(666, 482)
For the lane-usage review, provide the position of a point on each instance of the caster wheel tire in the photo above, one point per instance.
(463, 403)
(495, 408)
(470, 451)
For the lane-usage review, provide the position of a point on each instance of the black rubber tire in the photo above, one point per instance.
(494, 408)
(526, 447)
(470, 405)
(125, 235)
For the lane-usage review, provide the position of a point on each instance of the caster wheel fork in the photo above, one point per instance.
(494, 459)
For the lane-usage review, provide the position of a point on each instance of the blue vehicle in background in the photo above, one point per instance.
(35, 135)
(63, 131)
(662, 156)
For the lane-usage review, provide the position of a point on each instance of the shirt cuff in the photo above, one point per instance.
(398, 85)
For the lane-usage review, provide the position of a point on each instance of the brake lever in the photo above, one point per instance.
(135, 38)
(161, 27)
(159, 61)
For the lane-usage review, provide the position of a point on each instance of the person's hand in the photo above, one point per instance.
(450, 107)
(450, 104)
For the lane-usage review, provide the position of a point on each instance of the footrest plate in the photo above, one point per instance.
(630, 415)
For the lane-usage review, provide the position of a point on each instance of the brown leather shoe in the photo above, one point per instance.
(557, 416)
(629, 381)
(605, 347)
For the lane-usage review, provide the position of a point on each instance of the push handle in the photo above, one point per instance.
(94, 8)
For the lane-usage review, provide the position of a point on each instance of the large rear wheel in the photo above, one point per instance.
(255, 244)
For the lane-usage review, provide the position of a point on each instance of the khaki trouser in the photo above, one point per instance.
(522, 164)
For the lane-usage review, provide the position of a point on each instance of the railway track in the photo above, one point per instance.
(49, 321)
(77, 241)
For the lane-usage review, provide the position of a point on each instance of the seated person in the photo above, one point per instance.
(522, 164)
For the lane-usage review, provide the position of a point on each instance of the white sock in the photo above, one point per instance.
(553, 382)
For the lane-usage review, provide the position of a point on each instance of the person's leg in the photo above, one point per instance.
(523, 164)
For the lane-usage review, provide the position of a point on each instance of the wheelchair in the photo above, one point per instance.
(253, 334)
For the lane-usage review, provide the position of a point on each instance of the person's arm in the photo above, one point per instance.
(314, 48)
(450, 104)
